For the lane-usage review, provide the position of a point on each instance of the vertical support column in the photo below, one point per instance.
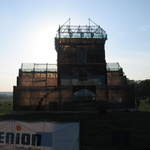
(46, 74)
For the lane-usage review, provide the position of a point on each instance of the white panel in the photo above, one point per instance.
(17, 135)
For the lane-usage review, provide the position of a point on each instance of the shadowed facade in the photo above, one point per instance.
(81, 80)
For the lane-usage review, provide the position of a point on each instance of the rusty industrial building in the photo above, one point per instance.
(81, 79)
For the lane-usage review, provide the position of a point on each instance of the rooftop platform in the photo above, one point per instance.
(92, 30)
(33, 67)
(113, 67)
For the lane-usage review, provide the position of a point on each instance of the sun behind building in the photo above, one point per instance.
(81, 79)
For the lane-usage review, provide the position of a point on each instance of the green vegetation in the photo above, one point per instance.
(6, 102)
(144, 106)
(142, 94)
(6, 96)
(6, 107)
(141, 89)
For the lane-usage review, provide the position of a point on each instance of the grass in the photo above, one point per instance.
(6, 106)
(144, 106)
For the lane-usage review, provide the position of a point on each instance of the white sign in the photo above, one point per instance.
(17, 135)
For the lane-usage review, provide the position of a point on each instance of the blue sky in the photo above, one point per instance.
(28, 28)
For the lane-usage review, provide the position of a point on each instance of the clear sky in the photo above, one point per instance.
(28, 28)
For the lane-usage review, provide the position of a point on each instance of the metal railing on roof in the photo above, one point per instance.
(113, 67)
(32, 67)
(79, 31)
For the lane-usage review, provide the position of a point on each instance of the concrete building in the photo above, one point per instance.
(81, 79)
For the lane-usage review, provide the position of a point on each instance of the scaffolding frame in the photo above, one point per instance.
(34, 67)
(52, 68)
(92, 30)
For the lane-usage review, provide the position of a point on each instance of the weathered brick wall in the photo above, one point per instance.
(81, 59)
(116, 78)
(30, 97)
(101, 94)
(37, 79)
(117, 94)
